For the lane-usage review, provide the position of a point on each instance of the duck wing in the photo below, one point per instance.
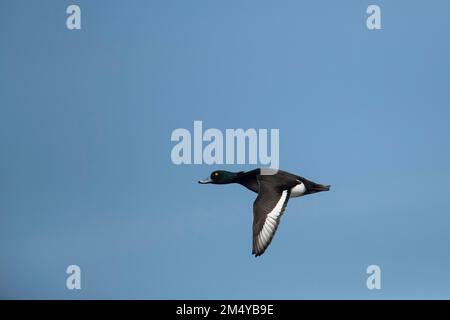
(268, 208)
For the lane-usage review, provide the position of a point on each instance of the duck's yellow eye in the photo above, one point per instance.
(216, 174)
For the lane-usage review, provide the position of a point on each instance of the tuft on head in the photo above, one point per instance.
(220, 177)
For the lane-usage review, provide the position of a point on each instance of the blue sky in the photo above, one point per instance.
(86, 176)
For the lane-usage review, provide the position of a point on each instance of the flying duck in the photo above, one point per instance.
(274, 188)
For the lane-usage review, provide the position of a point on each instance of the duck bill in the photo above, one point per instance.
(313, 187)
(207, 180)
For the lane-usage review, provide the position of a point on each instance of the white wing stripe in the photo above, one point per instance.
(266, 232)
(271, 223)
(260, 244)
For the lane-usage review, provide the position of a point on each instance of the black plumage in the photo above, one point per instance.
(274, 188)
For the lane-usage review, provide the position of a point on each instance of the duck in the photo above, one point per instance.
(274, 189)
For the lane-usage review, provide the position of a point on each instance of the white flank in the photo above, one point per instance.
(298, 190)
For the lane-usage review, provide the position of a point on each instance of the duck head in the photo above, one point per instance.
(220, 177)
